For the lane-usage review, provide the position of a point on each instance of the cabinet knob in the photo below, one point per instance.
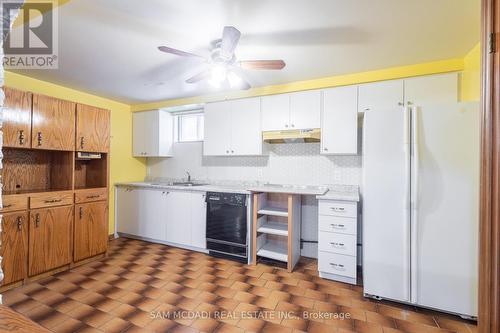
(227, 151)
(21, 137)
(39, 138)
(286, 125)
(232, 151)
(325, 149)
(409, 103)
(293, 125)
(401, 103)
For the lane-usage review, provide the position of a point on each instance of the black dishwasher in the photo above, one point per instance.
(227, 225)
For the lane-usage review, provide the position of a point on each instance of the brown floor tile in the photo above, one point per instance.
(126, 291)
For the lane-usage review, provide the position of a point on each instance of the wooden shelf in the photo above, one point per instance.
(273, 211)
(274, 228)
(273, 251)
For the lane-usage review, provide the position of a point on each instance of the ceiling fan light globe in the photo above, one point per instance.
(218, 74)
(234, 80)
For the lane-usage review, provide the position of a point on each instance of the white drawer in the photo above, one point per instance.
(343, 225)
(337, 243)
(338, 208)
(337, 264)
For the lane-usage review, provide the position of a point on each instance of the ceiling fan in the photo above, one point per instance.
(224, 68)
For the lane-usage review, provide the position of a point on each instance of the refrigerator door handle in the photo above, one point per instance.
(407, 198)
(414, 202)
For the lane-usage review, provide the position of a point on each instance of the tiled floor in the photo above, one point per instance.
(144, 287)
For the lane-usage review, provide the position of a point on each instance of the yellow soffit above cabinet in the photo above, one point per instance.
(291, 136)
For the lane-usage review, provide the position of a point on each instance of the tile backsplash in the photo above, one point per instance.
(291, 163)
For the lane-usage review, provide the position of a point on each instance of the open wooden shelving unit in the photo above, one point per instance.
(54, 203)
(276, 227)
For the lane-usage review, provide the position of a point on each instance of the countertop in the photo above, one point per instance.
(341, 192)
(331, 192)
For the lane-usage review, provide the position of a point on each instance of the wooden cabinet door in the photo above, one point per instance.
(53, 123)
(14, 250)
(49, 238)
(246, 135)
(305, 109)
(276, 112)
(17, 118)
(339, 122)
(217, 129)
(91, 229)
(92, 129)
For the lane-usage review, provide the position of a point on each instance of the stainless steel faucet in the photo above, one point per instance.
(189, 176)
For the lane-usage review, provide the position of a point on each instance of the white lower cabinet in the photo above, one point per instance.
(175, 217)
(337, 240)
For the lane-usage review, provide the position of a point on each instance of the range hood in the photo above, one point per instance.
(292, 136)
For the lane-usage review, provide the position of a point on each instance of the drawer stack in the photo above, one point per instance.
(337, 240)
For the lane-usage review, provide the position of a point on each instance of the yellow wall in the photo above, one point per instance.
(471, 78)
(123, 167)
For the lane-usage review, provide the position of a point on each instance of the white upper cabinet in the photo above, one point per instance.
(305, 109)
(246, 134)
(381, 95)
(152, 133)
(233, 128)
(339, 121)
(275, 112)
(299, 110)
(422, 90)
(217, 131)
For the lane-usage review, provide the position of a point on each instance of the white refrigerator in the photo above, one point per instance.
(421, 205)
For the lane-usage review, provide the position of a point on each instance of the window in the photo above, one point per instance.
(188, 127)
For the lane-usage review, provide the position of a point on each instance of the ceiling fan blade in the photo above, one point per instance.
(262, 64)
(198, 77)
(170, 50)
(230, 38)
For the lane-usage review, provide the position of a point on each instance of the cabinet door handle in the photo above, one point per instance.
(335, 244)
(337, 209)
(92, 196)
(21, 137)
(227, 151)
(337, 226)
(286, 125)
(325, 149)
(338, 267)
(37, 220)
(7, 206)
(293, 125)
(39, 138)
(82, 142)
(232, 151)
(53, 201)
(81, 212)
(19, 223)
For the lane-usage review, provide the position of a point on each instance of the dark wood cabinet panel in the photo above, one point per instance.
(92, 129)
(49, 238)
(14, 250)
(17, 118)
(91, 229)
(53, 123)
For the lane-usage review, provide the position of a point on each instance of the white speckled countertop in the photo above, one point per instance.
(331, 192)
(341, 192)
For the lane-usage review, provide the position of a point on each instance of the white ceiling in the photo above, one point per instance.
(109, 48)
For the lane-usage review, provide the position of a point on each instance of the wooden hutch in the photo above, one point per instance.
(55, 185)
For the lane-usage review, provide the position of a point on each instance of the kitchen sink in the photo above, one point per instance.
(187, 184)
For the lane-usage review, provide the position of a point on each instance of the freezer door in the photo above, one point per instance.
(386, 173)
(447, 202)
